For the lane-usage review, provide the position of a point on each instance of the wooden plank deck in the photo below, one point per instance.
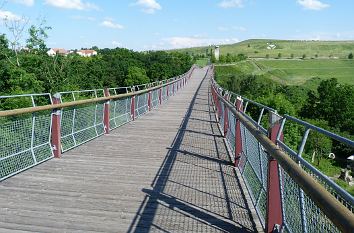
(168, 171)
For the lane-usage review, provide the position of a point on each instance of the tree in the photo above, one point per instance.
(292, 56)
(38, 35)
(279, 55)
(318, 145)
(136, 76)
(4, 47)
(228, 58)
(350, 56)
(303, 56)
(16, 28)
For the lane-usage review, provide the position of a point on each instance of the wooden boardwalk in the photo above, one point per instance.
(168, 171)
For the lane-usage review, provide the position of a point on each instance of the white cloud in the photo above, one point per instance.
(110, 24)
(239, 28)
(231, 3)
(116, 43)
(80, 17)
(192, 41)
(313, 4)
(24, 2)
(148, 6)
(72, 4)
(8, 15)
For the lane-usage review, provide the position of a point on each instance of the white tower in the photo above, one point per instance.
(217, 52)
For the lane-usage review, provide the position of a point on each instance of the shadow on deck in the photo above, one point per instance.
(196, 188)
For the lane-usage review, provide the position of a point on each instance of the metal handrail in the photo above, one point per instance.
(340, 215)
(20, 111)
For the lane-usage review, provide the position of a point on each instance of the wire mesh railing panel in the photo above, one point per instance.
(230, 136)
(81, 124)
(120, 112)
(67, 129)
(171, 90)
(300, 216)
(141, 104)
(222, 117)
(24, 142)
(164, 93)
(155, 98)
(250, 167)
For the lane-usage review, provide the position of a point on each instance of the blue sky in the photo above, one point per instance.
(167, 24)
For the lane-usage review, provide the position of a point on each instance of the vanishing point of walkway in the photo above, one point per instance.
(168, 171)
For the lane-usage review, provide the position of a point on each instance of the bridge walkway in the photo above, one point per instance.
(168, 171)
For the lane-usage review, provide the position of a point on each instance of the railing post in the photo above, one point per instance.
(238, 137)
(274, 208)
(132, 108)
(167, 88)
(106, 112)
(56, 134)
(226, 117)
(149, 101)
(160, 96)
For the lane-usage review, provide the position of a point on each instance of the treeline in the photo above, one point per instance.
(331, 107)
(33, 71)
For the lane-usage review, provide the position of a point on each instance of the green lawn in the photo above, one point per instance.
(300, 71)
(295, 72)
(202, 62)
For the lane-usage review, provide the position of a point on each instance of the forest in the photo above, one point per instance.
(330, 106)
(33, 71)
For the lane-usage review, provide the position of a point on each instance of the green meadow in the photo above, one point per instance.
(295, 72)
(257, 48)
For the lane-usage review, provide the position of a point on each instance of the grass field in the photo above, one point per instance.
(295, 72)
(258, 48)
(202, 62)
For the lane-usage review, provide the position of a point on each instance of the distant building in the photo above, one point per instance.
(271, 46)
(87, 53)
(217, 53)
(54, 51)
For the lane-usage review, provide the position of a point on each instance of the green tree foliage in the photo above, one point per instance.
(350, 56)
(37, 38)
(333, 102)
(331, 107)
(111, 68)
(136, 76)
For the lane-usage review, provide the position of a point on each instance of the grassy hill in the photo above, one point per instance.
(294, 72)
(258, 48)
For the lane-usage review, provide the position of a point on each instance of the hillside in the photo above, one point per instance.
(294, 71)
(258, 48)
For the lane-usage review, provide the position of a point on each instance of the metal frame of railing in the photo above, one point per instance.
(32, 135)
(289, 194)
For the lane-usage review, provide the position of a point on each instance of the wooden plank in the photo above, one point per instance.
(167, 171)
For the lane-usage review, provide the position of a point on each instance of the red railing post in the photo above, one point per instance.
(106, 112)
(56, 135)
(274, 210)
(160, 95)
(226, 117)
(238, 137)
(149, 101)
(132, 108)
